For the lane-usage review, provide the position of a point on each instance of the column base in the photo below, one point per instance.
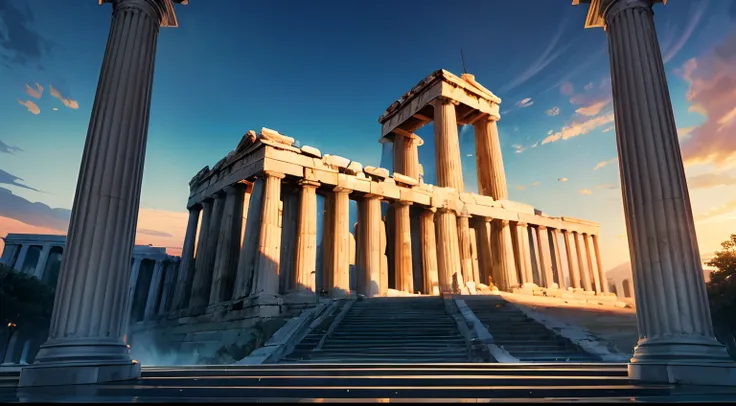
(78, 373)
(713, 374)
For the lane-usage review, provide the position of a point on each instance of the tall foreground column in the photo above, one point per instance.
(489, 162)
(306, 239)
(186, 266)
(676, 340)
(85, 342)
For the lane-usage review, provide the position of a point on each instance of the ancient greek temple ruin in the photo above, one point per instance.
(433, 238)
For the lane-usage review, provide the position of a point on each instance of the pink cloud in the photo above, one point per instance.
(72, 104)
(712, 92)
(593, 109)
(602, 164)
(31, 106)
(577, 128)
(35, 93)
(526, 102)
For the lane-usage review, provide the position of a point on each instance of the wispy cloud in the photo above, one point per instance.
(35, 93)
(577, 128)
(554, 111)
(588, 86)
(10, 179)
(8, 149)
(585, 192)
(526, 102)
(727, 208)
(152, 233)
(533, 184)
(545, 58)
(602, 164)
(712, 84)
(72, 104)
(710, 180)
(607, 129)
(562, 179)
(695, 17)
(31, 106)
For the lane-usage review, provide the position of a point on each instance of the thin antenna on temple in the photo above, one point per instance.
(463, 59)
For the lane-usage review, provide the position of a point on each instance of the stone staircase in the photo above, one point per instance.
(381, 383)
(377, 330)
(521, 336)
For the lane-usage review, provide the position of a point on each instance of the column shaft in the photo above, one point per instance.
(206, 261)
(672, 305)
(228, 245)
(251, 239)
(201, 254)
(447, 145)
(369, 226)
(43, 257)
(572, 261)
(448, 250)
(545, 263)
(340, 244)
(582, 266)
(466, 254)
(593, 271)
(429, 253)
(90, 327)
(186, 266)
(266, 277)
(557, 261)
(18, 266)
(599, 266)
(153, 291)
(168, 289)
(289, 225)
(506, 254)
(306, 240)
(485, 257)
(489, 160)
(402, 256)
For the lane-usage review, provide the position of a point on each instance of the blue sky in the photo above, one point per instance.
(323, 71)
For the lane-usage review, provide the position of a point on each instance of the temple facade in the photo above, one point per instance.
(257, 213)
(153, 272)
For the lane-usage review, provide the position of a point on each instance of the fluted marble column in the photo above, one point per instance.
(43, 257)
(474, 255)
(306, 238)
(589, 258)
(466, 254)
(153, 290)
(402, 247)
(447, 145)
(228, 245)
(289, 224)
(266, 277)
(525, 257)
(168, 289)
(582, 265)
(489, 161)
(676, 340)
(572, 260)
(369, 225)
(185, 277)
(251, 239)
(86, 342)
(545, 263)
(485, 254)
(133, 284)
(200, 262)
(429, 252)
(18, 266)
(448, 250)
(505, 256)
(557, 262)
(599, 265)
(339, 244)
(206, 262)
(406, 155)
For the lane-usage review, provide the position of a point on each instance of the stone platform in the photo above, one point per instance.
(374, 383)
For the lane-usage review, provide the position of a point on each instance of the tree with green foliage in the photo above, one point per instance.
(722, 293)
(24, 299)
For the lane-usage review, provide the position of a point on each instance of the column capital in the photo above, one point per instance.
(445, 100)
(274, 174)
(369, 196)
(541, 227)
(401, 203)
(160, 10)
(308, 183)
(430, 209)
(521, 224)
(341, 189)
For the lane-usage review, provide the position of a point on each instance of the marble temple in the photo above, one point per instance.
(427, 241)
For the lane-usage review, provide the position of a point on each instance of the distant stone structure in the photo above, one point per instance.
(152, 275)
(433, 238)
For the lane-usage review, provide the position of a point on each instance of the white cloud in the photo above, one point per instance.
(554, 111)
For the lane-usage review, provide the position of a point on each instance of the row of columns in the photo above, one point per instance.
(16, 256)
